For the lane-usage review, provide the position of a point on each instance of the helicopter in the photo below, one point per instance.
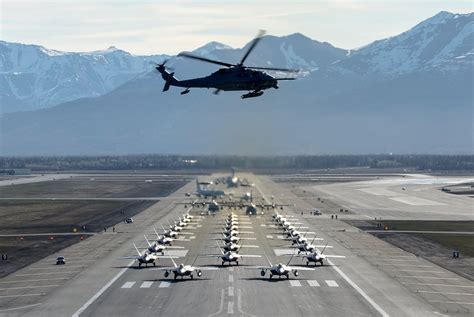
(233, 77)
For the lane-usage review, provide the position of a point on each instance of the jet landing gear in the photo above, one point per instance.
(255, 93)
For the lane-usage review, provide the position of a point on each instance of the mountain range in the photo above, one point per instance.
(410, 93)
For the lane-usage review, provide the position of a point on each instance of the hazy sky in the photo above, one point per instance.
(160, 26)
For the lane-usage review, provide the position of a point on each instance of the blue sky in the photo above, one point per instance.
(154, 26)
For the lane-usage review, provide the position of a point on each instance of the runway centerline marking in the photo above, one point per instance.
(231, 291)
(269, 236)
(102, 290)
(128, 285)
(230, 308)
(231, 278)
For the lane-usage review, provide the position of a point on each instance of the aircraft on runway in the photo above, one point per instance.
(146, 257)
(184, 270)
(155, 247)
(231, 256)
(318, 257)
(205, 192)
(234, 181)
(280, 269)
(234, 77)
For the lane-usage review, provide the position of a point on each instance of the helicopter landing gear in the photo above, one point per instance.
(255, 93)
(184, 92)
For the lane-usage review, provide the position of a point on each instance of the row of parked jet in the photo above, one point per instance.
(306, 249)
(230, 249)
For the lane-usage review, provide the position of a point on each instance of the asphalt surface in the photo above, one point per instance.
(374, 279)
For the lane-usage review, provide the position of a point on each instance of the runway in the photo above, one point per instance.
(374, 279)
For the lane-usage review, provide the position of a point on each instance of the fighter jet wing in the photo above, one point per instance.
(257, 267)
(335, 256)
(250, 256)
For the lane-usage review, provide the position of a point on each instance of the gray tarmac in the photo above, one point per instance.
(374, 279)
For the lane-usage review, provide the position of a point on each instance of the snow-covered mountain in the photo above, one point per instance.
(444, 42)
(411, 93)
(33, 77)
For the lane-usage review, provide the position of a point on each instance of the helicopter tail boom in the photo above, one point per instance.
(167, 76)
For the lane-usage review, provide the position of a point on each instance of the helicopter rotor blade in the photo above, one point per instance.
(199, 58)
(275, 69)
(252, 46)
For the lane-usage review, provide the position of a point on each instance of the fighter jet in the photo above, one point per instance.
(231, 256)
(184, 270)
(280, 269)
(319, 257)
(155, 247)
(146, 257)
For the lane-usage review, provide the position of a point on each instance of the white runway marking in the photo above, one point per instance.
(231, 291)
(146, 285)
(102, 290)
(128, 285)
(269, 236)
(198, 226)
(450, 302)
(22, 295)
(164, 284)
(448, 293)
(37, 280)
(231, 269)
(28, 274)
(358, 289)
(415, 265)
(280, 237)
(263, 225)
(231, 278)
(331, 283)
(421, 271)
(428, 277)
(26, 287)
(416, 201)
(295, 283)
(230, 308)
(313, 283)
(378, 191)
(443, 285)
(178, 253)
(192, 237)
(279, 252)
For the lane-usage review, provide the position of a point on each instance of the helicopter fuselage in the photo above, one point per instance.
(231, 79)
